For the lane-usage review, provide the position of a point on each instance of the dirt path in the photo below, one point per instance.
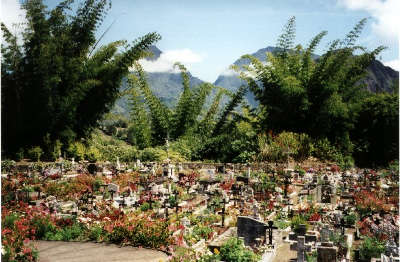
(58, 251)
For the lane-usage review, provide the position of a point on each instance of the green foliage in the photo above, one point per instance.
(35, 153)
(376, 132)
(145, 206)
(301, 95)
(201, 232)
(282, 224)
(76, 150)
(42, 225)
(297, 221)
(97, 233)
(284, 145)
(234, 251)
(67, 233)
(311, 257)
(350, 219)
(371, 247)
(56, 81)
(139, 132)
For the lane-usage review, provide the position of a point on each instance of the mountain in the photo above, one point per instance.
(379, 78)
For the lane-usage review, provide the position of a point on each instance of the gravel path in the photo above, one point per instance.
(58, 251)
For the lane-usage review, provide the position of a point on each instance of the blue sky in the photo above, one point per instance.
(207, 36)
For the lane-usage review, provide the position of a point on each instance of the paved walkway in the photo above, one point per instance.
(58, 251)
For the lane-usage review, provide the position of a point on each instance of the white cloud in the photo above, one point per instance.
(12, 15)
(385, 13)
(229, 72)
(167, 59)
(395, 64)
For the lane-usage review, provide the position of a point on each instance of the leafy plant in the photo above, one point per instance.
(371, 247)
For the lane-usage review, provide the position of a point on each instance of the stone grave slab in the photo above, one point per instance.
(250, 229)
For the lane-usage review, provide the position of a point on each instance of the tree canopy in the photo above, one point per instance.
(319, 97)
(57, 84)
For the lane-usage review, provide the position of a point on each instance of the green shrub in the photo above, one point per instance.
(56, 152)
(118, 235)
(68, 233)
(324, 150)
(371, 247)
(35, 153)
(350, 219)
(9, 220)
(92, 155)
(153, 154)
(19, 155)
(234, 251)
(145, 206)
(76, 150)
(42, 226)
(297, 221)
(96, 233)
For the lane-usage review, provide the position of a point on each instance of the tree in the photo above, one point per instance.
(317, 97)
(56, 82)
(376, 132)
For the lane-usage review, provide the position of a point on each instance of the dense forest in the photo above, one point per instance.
(58, 87)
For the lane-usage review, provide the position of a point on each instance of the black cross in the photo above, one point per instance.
(342, 225)
(270, 227)
(223, 212)
(287, 183)
(176, 200)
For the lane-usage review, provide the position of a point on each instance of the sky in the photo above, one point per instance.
(209, 35)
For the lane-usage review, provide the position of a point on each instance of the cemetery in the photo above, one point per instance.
(206, 212)
(115, 150)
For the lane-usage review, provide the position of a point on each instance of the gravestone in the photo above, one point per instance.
(325, 234)
(250, 229)
(326, 252)
(113, 189)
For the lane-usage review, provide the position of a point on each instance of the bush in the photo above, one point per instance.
(96, 233)
(19, 155)
(68, 233)
(297, 221)
(371, 247)
(234, 251)
(92, 155)
(35, 153)
(145, 206)
(350, 219)
(76, 150)
(42, 226)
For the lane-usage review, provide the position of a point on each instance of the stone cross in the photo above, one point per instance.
(300, 248)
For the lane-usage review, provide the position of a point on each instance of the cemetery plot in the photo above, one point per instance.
(274, 214)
